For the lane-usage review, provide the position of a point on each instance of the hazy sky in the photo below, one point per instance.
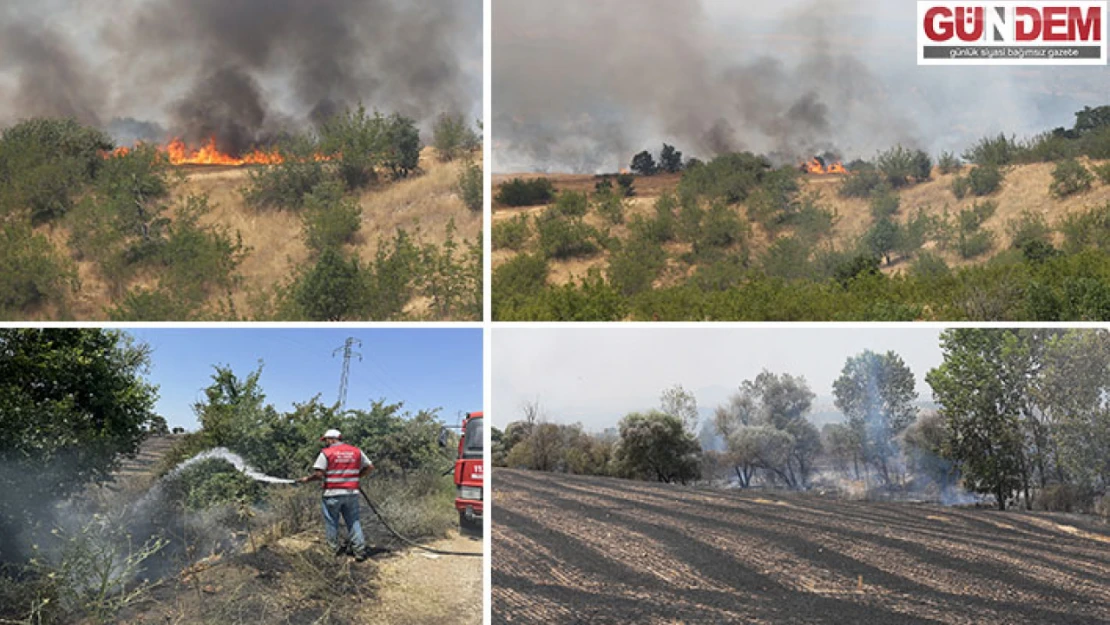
(596, 376)
(426, 368)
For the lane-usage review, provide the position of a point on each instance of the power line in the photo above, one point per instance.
(345, 377)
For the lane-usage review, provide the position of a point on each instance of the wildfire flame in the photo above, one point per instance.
(179, 153)
(816, 166)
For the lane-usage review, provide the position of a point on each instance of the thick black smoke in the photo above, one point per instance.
(584, 84)
(240, 70)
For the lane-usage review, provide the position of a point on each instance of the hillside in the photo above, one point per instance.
(275, 248)
(1025, 188)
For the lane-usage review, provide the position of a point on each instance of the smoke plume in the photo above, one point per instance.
(582, 86)
(240, 70)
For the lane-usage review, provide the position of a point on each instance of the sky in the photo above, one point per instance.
(425, 368)
(596, 376)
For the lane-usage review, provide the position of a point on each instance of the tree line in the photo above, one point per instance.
(1022, 417)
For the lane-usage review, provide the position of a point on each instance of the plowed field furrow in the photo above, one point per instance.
(571, 549)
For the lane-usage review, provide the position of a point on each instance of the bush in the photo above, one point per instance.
(643, 164)
(330, 219)
(994, 151)
(627, 183)
(670, 159)
(949, 163)
(286, 184)
(862, 184)
(883, 238)
(1028, 228)
(452, 137)
(787, 258)
(31, 270)
(1103, 172)
(402, 146)
(884, 203)
(1064, 498)
(721, 227)
(980, 181)
(1088, 229)
(520, 192)
(610, 206)
(210, 483)
(899, 164)
(564, 238)
(1048, 147)
(511, 234)
(329, 291)
(731, 177)
(524, 275)
(571, 204)
(635, 265)
(1070, 177)
(199, 258)
(471, 187)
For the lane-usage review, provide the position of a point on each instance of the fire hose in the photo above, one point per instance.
(408, 541)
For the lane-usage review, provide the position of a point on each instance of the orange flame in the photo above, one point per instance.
(179, 153)
(815, 166)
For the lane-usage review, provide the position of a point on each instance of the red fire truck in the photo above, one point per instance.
(469, 473)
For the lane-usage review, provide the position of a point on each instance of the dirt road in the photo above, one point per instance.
(592, 550)
(417, 587)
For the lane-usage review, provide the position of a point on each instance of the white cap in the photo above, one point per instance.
(331, 434)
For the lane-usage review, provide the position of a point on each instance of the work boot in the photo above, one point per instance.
(338, 550)
(362, 555)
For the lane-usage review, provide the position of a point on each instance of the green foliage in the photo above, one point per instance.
(199, 259)
(1087, 229)
(884, 203)
(994, 151)
(949, 163)
(898, 165)
(358, 144)
(1070, 177)
(861, 184)
(512, 234)
(520, 192)
(610, 206)
(451, 277)
(883, 238)
(210, 483)
(1103, 172)
(285, 185)
(670, 159)
(655, 446)
(401, 155)
(731, 177)
(330, 219)
(74, 403)
(329, 291)
(1029, 228)
(787, 258)
(452, 137)
(627, 184)
(471, 186)
(635, 265)
(1048, 147)
(31, 270)
(571, 204)
(563, 238)
(643, 164)
(662, 228)
(980, 181)
(721, 227)
(520, 279)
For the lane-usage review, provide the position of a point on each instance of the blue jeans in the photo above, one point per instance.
(348, 507)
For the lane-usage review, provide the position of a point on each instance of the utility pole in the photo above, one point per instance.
(345, 377)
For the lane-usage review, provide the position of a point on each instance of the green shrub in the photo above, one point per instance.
(402, 146)
(1048, 147)
(210, 483)
(511, 234)
(788, 258)
(610, 206)
(1103, 172)
(972, 244)
(884, 203)
(627, 184)
(994, 151)
(1029, 227)
(524, 275)
(389, 281)
(564, 238)
(929, 265)
(913, 234)
(471, 187)
(199, 259)
(883, 238)
(949, 163)
(635, 265)
(158, 304)
(451, 277)
(520, 192)
(452, 137)
(1088, 229)
(285, 185)
(721, 227)
(31, 270)
(731, 177)
(330, 218)
(571, 204)
(330, 289)
(861, 184)
(898, 165)
(1070, 177)
(980, 181)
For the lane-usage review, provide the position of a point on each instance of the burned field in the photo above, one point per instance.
(575, 549)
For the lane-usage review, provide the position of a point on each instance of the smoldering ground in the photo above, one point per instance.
(240, 70)
(582, 86)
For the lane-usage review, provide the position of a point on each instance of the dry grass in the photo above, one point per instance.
(1025, 188)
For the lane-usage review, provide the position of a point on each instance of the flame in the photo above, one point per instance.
(179, 153)
(815, 166)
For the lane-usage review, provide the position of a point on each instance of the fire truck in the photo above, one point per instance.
(469, 472)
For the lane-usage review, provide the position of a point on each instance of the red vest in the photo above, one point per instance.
(344, 464)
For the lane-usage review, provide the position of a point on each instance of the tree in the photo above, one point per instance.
(643, 164)
(670, 159)
(655, 446)
(328, 292)
(876, 393)
(402, 153)
(231, 406)
(779, 403)
(882, 238)
(681, 404)
(72, 403)
(452, 137)
(979, 390)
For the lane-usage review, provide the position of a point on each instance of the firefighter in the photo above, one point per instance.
(340, 466)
